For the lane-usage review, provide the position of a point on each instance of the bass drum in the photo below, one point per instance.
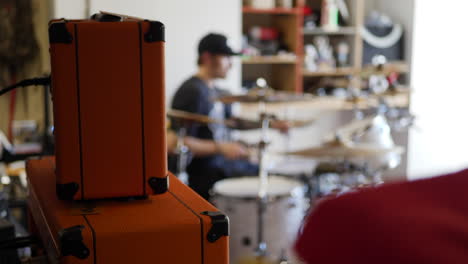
(285, 210)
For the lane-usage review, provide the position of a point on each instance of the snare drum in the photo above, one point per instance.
(285, 210)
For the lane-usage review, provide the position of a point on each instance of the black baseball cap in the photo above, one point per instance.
(215, 44)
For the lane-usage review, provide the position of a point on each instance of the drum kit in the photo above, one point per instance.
(357, 154)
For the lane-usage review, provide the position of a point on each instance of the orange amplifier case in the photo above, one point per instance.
(109, 113)
(175, 227)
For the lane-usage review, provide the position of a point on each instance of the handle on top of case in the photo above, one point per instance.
(107, 17)
(103, 16)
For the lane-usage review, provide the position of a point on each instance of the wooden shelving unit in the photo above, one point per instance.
(281, 72)
(286, 73)
(348, 33)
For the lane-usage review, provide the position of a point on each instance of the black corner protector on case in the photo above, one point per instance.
(155, 32)
(219, 226)
(67, 191)
(71, 242)
(159, 185)
(58, 33)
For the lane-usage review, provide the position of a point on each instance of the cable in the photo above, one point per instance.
(26, 82)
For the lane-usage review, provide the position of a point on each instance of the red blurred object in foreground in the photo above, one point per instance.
(423, 221)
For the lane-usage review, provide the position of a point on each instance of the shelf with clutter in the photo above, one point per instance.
(332, 43)
(349, 52)
(272, 43)
(320, 47)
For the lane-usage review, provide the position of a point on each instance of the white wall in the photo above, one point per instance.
(186, 22)
(441, 89)
(69, 9)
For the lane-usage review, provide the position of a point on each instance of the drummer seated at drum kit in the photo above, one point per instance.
(218, 156)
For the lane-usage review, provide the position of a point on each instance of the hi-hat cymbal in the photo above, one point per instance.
(337, 149)
(264, 95)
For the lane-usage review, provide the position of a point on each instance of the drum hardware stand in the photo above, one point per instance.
(262, 199)
(183, 153)
(263, 179)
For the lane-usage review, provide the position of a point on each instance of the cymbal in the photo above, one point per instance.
(197, 118)
(264, 95)
(203, 119)
(299, 123)
(337, 149)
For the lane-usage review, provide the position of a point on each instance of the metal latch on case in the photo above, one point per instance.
(219, 226)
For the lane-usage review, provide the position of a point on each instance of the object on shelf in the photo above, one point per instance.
(326, 60)
(311, 17)
(330, 13)
(393, 80)
(382, 37)
(261, 4)
(343, 11)
(247, 49)
(265, 41)
(264, 33)
(342, 54)
(311, 58)
(285, 3)
(382, 76)
(378, 83)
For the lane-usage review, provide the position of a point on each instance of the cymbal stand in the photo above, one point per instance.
(262, 201)
(183, 153)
